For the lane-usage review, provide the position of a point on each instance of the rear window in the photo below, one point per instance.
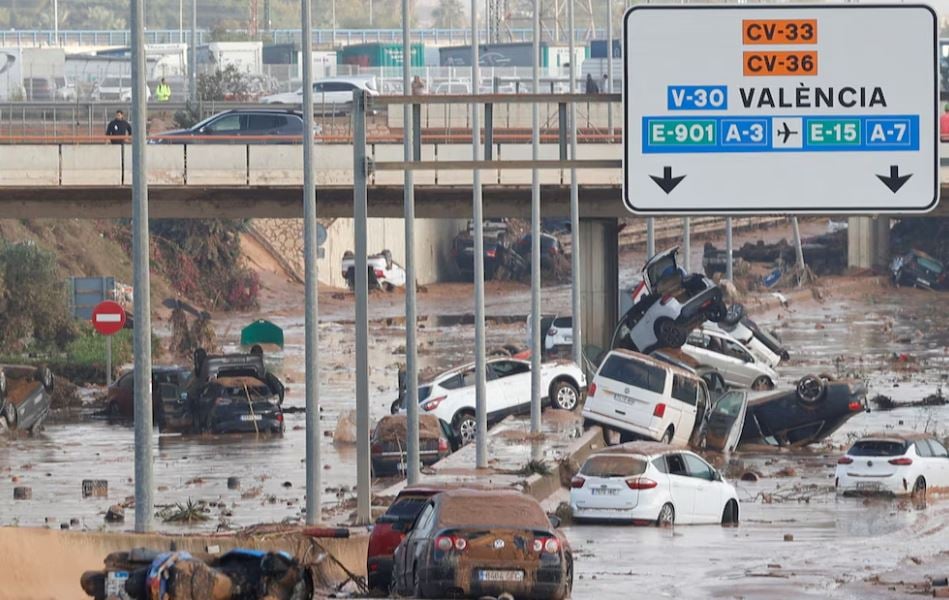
(405, 508)
(635, 373)
(729, 404)
(683, 389)
(564, 322)
(878, 448)
(613, 466)
(492, 510)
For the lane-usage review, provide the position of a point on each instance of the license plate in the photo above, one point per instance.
(568, 339)
(603, 492)
(501, 575)
(251, 417)
(624, 399)
(868, 485)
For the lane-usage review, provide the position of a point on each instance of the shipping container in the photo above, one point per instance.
(379, 55)
(598, 49)
(510, 55)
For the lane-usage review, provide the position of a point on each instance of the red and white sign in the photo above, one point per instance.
(108, 317)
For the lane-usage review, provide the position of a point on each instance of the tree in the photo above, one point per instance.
(223, 84)
(449, 14)
(33, 300)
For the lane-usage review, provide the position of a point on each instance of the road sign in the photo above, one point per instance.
(108, 317)
(807, 109)
(87, 292)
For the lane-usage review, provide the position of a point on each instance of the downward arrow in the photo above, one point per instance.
(895, 181)
(667, 182)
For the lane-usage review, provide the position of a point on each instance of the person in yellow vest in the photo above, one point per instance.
(163, 91)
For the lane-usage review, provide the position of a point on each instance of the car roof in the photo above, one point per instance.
(273, 111)
(647, 449)
(890, 436)
(467, 366)
(654, 362)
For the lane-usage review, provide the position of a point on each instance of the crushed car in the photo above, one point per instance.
(241, 573)
(388, 450)
(474, 543)
(450, 396)
(669, 303)
(383, 272)
(918, 269)
(120, 397)
(652, 484)
(388, 532)
(736, 363)
(24, 397)
(229, 393)
(899, 464)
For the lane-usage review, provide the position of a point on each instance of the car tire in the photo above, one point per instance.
(667, 436)
(919, 488)
(9, 414)
(45, 376)
(667, 516)
(564, 395)
(669, 334)
(394, 407)
(465, 426)
(762, 383)
(730, 514)
(810, 389)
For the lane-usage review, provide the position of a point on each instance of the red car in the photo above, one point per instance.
(389, 530)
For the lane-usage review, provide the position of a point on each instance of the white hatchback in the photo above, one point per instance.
(642, 397)
(908, 464)
(451, 395)
(649, 483)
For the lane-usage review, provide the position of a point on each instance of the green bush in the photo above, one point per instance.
(34, 309)
(89, 347)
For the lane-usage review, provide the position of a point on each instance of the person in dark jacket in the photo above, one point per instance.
(118, 128)
(591, 85)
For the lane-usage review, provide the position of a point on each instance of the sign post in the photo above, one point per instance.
(778, 109)
(108, 318)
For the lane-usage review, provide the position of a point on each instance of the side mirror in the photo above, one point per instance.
(202, 129)
(554, 521)
(717, 476)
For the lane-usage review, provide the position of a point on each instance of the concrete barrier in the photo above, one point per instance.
(598, 176)
(275, 164)
(30, 165)
(165, 164)
(525, 152)
(91, 165)
(217, 164)
(333, 164)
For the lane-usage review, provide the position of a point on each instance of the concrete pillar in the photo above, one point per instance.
(868, 242)
(599, 280)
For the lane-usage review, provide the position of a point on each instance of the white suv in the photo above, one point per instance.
(738, 366)
(451, 395)
(636, 396)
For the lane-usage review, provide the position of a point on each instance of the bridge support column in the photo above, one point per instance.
(868, 242)
(599, 280)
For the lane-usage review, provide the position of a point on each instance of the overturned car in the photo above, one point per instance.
(229, 393)
(24, 397)
(669, 303)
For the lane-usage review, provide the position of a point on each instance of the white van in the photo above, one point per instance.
(634, 396)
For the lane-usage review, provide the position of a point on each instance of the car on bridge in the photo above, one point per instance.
(330, 96)
(241, 126)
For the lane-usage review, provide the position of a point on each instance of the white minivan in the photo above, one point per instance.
(634, 396)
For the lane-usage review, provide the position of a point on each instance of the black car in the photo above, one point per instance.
(229, 393)
(815, 409)
(918, 269)
(25, 397)
(240, 126)
(495, 247)
(551, 250)
(467, 543)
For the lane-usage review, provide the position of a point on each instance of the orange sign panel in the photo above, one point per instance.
(779, 31)
(788, 64)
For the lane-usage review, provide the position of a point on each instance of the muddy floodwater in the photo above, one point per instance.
(896, 340)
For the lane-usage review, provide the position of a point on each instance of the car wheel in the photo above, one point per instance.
(762, 383)
(44, 376)
(734, 314)
(466, 427)
(394, 407)
(667, 436)
(810, 389)
(667, 516)
(564, 395)
(669, 334)
(9, 414)
(387, 286)
(730, 514)
(919, 488)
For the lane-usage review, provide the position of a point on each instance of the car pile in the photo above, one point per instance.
(507, 258)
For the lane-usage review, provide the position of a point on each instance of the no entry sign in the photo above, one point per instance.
(805, 109)
(108, 317)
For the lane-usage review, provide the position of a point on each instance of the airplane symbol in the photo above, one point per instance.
(786, 132)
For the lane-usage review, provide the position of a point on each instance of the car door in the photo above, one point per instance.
(509, 386)
(940, 462)
(741, 365)
(223, 127)
(725, 421)
(414, 544)
(259, 124)
(682, 487)
(680, 410)
(707, 503)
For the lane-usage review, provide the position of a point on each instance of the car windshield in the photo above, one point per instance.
(878, 448)
(929, 264)
(634, 373)
(405, 508)
(613, 465)
(729, 404)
